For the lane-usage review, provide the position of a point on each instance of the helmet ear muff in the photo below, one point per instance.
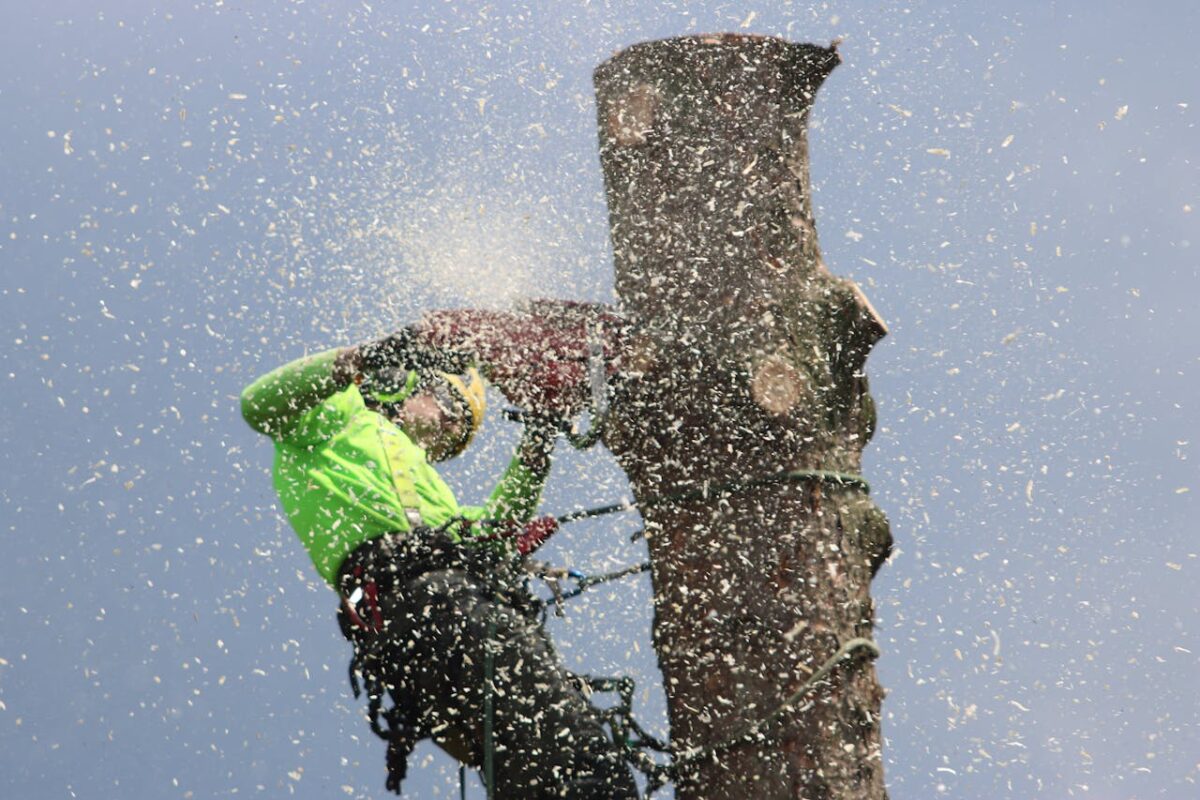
(471, 390)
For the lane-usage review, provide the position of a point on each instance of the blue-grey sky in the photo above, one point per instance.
(191, 196)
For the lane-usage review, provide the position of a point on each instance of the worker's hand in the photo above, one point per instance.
(347, 367)
(534, 533)
(538, 440)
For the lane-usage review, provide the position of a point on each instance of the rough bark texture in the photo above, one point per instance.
(748, 361)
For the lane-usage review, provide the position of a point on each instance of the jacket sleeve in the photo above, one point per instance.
(512, 503)
(518, 494)
(276, 402)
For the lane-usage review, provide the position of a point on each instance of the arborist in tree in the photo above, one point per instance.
(432, 594)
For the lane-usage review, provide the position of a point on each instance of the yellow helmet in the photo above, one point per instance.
(471, 389)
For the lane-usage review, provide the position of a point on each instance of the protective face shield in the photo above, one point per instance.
(390, 387)
(459, 397)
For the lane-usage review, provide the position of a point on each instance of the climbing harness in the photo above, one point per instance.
(369, 574)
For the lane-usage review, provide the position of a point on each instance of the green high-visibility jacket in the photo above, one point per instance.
(346, 474)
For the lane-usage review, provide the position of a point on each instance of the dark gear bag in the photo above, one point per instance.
(368, 576)
(370, 583)
(418, 609)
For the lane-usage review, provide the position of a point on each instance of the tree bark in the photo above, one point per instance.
(747, 361)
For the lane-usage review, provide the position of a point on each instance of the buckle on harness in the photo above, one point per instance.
(364, 601)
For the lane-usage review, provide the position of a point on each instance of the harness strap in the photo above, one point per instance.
(371, 591)
(402, 481)
(406, 490)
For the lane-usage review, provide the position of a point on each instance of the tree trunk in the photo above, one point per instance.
(748, 361)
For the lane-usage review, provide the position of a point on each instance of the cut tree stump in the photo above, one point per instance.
(747, 361)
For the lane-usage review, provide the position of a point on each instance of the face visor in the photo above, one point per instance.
(460, 398)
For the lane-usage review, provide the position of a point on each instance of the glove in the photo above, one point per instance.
(538, 440)
(535, 532)
(388, 361)
(395, 351)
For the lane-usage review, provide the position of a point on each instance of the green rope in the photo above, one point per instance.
(839, 479)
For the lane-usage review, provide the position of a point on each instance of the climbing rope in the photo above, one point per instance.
(622, 722)
(657, 774)
(752, 729)
(840, 479)
(584, 582)
(551, 577)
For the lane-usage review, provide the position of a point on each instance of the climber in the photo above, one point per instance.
(432, 595)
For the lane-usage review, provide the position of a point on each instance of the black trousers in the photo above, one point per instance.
(421, 621)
